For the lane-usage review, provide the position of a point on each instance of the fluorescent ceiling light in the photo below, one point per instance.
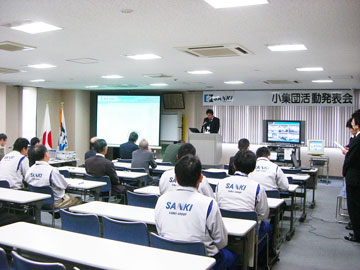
(200, 72)
(35, 27)
(234, 82)
(92, 86)
(38, 80)
(310, 69)
(41, 66)
(159, 84)
(112, 77)
(148, 56)
(322, 81)
(287, 47)
(235, 3)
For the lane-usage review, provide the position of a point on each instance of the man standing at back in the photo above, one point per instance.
(143, 157)
(268, 174)
(99, 166)
(127, 148)
(13, 166)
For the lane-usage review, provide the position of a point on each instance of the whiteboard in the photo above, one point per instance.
(170, 127)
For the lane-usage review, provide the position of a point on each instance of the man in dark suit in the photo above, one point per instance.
(211, 123)
(243, 145)
(91, 152)
(99, 166)
(143, 157)
(351, 172)
(127, 148)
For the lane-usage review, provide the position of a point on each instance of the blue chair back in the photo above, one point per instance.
(4, 184)
(164, 163)
(65, 173)
(251, 215)
(290, 179)
(106, 179)
(80, 223)
(226, 166)
(196, 248)
(3, 260)
(273, 194)
(130, 232)
(135, 169)
(48, 203)
(141, 200)
(21, 263)
(217, 175)
(124, 160)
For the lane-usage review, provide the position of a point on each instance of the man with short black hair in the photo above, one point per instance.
(127, 148)
(33, 143)
(187, 215)
(13, 166)
(43, 174)
(353, 134)
(351, 172)
(99, 166)
(91, 152)
(243, 144)
(268, 174)
(211, 124)
(168, 183)
(143, 157)
(3, 139)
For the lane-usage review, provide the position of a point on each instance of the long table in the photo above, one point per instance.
(24, 198)
(158, 170)
(244, 229)
(95, 252)
(121, 174)
(85, 186)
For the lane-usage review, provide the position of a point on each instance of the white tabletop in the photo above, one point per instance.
(300, 177)
(158, 168)
(95, 251)
(274, 203)
(21, 196)
(292, 187)
(147, 215)
(123, 174)
(312, 170)
(84, 184)
(59, 161)
(215, 170)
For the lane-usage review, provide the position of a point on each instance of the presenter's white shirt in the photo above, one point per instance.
(269, 175)
(13, 168)
(43, 174)
(168, 183)
(240, 193)
(187, 215)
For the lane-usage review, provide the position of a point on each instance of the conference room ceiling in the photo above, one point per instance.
(106, 31)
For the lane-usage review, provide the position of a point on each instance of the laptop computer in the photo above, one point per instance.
(194, 130)
(297, 164)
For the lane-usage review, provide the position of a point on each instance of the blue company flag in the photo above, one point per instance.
(62, 142)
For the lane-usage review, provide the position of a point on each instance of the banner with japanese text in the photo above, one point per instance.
(279, 98)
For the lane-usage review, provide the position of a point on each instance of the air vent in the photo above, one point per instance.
(13, 47)
(280, 82)
(220, 50)
(160, 75)
(84, 60)
(8, 70)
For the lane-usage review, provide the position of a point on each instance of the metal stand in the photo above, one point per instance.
(321, 161)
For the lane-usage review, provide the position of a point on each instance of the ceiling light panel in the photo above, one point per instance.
(159, 84)
(13, 46)
(38, 80)
(310, 69)
(233, 82)
(41, 66)
(83, 60)
(112, 76)
(199, 72)
(235, 3)
(148, 56)
(287, 47)
(322, 81)
(34, 27)
(92, 86)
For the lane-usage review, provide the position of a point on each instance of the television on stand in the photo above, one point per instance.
(284, 131)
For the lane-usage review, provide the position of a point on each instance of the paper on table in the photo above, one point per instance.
(287, 154)
(339, 145)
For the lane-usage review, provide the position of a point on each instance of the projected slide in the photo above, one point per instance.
(287, 132)
(117, 116)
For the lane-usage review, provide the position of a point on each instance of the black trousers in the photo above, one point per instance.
(353, 204)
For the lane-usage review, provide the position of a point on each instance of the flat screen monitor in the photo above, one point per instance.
(315, 147)
(273, 156)
(119, 115)
(278, 131)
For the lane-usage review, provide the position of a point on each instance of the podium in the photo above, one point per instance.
(208, 148)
